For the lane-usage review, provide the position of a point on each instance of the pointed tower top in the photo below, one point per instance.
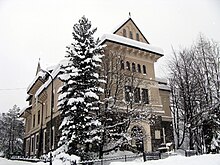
(38, 66)
(129, 14)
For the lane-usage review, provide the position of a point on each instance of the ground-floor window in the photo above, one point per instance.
(44, 140)
(32, 144)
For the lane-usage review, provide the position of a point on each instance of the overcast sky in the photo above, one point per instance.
(33, 29)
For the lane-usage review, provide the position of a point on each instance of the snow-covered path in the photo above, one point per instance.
(4, 161)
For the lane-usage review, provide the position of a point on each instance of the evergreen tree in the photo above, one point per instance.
(79, 95)
(12, 131)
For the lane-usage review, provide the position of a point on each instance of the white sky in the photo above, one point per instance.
(33, 29)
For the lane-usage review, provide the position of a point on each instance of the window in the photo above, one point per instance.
(128, 65)
(137, 96)
(32, 144)
(157, 134)
(145, 98)
(127, 93)
(53, 137)
(137, 37)
(122, 64)
(139, 68)
(33, 120)
(38, 117)
(144, 69)
(124, 33)
(37, 143)
(133, 67)
(131, 35)
(45, 141)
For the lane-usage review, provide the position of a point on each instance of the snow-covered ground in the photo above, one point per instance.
(178, 160)
(211, 159)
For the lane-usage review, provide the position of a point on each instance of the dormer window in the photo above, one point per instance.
(131, 35)
(124, 33)
(137, 37)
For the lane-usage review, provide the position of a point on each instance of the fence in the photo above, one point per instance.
(124, 158)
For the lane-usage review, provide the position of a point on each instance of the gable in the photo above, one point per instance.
(130, 30)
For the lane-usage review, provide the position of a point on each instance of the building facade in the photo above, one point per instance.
(135, 58)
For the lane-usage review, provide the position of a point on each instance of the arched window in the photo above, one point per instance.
(137, 37)
(144, 69)
(133, 67)
(124, 33)
(131, 35)
(139, 68)
(122, 64)
(128, 65)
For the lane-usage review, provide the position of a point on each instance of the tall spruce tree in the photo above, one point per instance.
(79, 96)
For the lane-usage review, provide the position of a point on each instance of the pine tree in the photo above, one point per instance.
(79, 95)
(11, 130)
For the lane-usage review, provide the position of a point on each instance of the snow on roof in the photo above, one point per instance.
(39, 74)
(132, 43)
(54, 73)
(24, 109)
(164, 87)
(161, 80)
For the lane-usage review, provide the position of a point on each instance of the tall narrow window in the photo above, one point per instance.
(122, 64)
(53, 137)
(139, 68)
(145, 97)
(133, 67)
(32, 144)
(137, 96)
(127, 93)
(37, 142)
(137, 37)
(38, 117)
(45, 141)
(124, 33)
(144, 69)
(131, 35)
(128, 65)
(33, 121)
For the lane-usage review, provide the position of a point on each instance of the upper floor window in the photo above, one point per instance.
(128, 65)
(127, 93)
(38, 117)
(145, 97)
(133, 67)
(124, 33)
(144, 69)
(139, 68)
(33, 121)
(137, 37)
(131, 35)
(122, 64)
(137, 96)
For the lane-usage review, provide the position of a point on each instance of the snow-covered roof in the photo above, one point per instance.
(133, 43)
(39, 75)
(24, 109)
(164, 87)
(54, 73)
